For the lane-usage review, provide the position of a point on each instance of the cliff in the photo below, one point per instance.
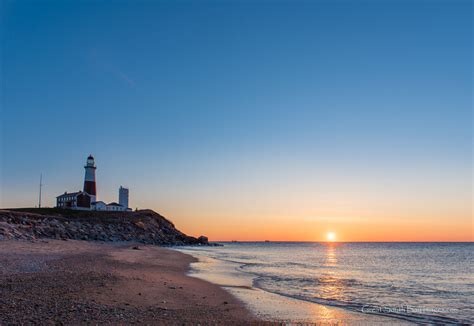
(144, 226)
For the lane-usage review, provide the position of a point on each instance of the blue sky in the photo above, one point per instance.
(206, 106)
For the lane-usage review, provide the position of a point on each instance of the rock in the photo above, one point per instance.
(143, 226)
(140, 224)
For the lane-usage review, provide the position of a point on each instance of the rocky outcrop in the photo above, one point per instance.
(144, 226)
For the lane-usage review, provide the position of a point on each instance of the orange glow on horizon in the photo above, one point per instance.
(300, 230)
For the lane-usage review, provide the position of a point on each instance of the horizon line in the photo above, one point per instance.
(335, 242)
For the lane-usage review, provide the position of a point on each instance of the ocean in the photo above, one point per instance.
(412, 282)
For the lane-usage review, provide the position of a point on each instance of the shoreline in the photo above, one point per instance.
(79, 282)
(272, 307)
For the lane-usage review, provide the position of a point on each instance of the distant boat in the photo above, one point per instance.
(234, 241)
(267, 240)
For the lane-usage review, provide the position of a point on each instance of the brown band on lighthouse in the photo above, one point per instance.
(89, 187)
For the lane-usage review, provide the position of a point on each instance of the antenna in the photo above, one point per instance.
(40, 186)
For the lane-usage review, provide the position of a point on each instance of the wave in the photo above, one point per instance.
(351, 285)
(406, 313)
(403, 313)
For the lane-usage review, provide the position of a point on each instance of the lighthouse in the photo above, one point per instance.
(87, 199)
(89, 179)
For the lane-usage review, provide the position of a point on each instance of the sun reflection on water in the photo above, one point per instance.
(330, 284)
(331, 258)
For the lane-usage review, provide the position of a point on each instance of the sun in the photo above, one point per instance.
(331, 236)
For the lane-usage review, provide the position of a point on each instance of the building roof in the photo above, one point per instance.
(72, 194)
(98, 202)
(114, 204)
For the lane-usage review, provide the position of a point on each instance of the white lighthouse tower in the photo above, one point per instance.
(89, 179)
(123, 197)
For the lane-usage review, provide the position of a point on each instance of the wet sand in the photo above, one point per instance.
(78, 282)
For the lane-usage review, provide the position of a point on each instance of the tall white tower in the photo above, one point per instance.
(123, 196)
(89, 179)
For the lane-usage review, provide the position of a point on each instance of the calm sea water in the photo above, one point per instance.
(419, 282)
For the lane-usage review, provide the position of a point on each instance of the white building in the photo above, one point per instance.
(123, 196)
(99, 206)
(122, 206)
(116, 207)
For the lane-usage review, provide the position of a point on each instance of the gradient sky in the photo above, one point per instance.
(247, 120)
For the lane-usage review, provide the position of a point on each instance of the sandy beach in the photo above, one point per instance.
(78, 282)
